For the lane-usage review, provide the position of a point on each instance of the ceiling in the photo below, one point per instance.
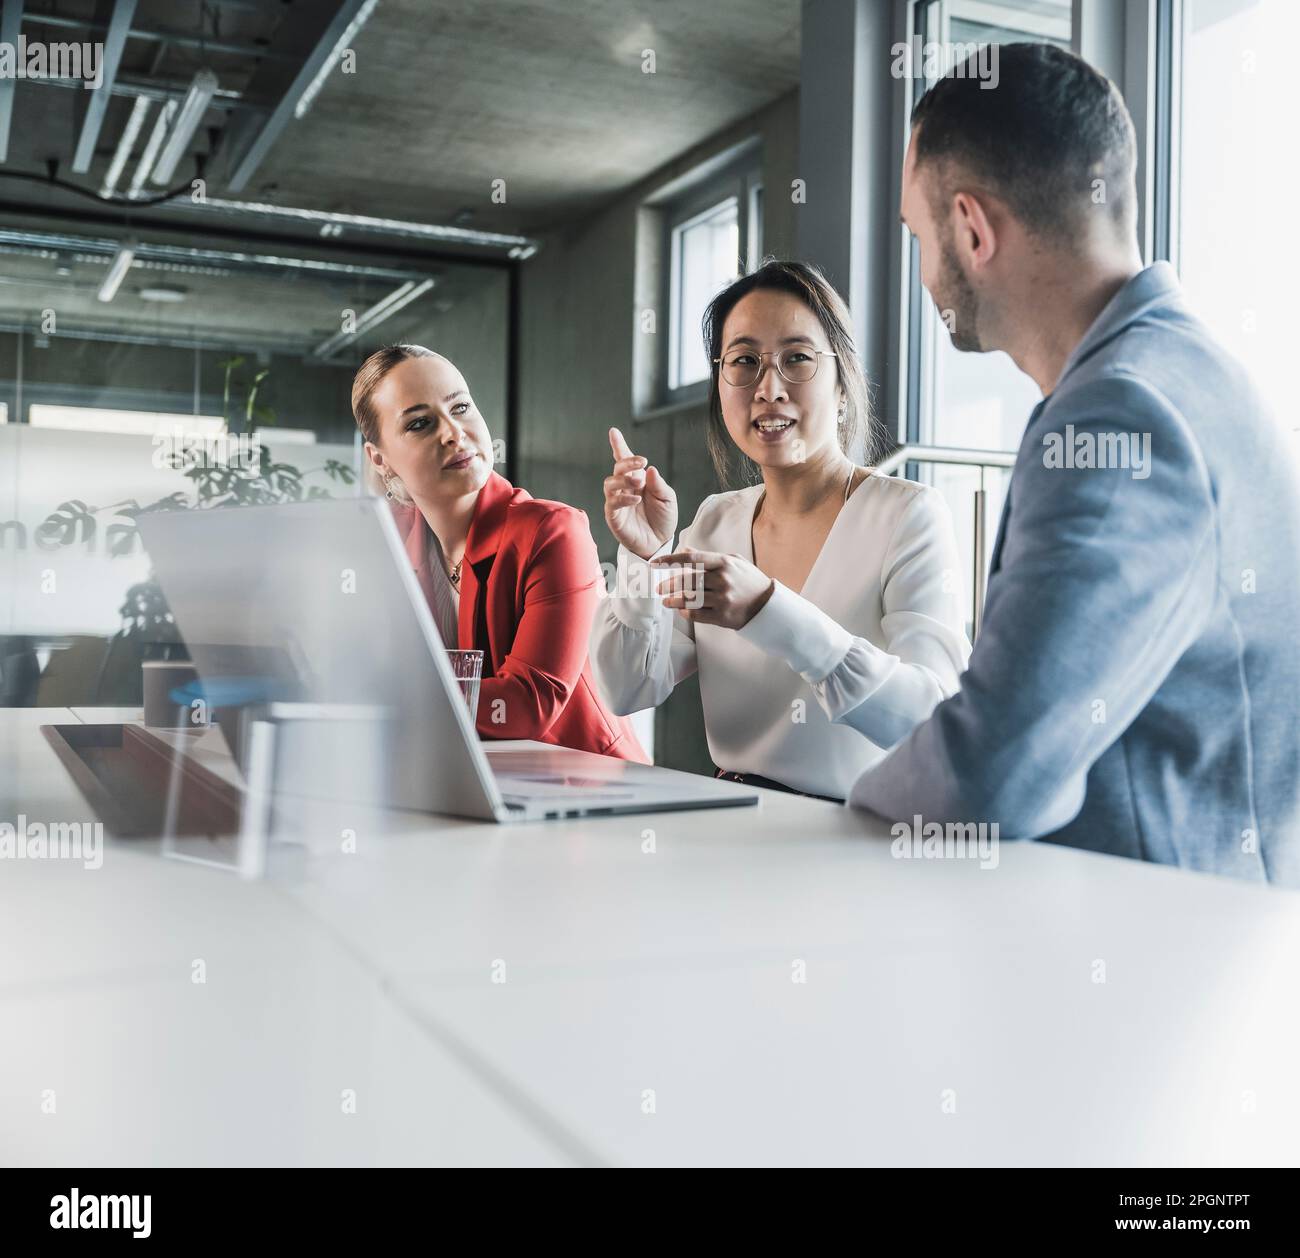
(212, 298)
(447, 96)
(549, 96)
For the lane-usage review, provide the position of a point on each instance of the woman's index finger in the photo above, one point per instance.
(619, 445)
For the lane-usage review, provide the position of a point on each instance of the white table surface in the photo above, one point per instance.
(931, 986)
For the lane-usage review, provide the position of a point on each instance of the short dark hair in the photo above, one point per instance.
(1038, 140)
(810, 286)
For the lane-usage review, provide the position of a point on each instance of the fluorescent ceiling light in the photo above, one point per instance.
(156, 138)
(163, 293)
(397, 300)
(117, 269)
(349, 34)
(383, 309)
(197, 100)
(394, 302)
(139, 111)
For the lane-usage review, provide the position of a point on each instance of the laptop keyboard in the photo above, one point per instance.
(567, 786)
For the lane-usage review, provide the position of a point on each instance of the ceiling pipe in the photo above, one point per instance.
(43, 243)
(364, 223)
(182, 39)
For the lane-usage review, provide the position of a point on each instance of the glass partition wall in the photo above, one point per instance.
(137, 374)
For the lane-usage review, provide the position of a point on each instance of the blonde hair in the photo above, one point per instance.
(370, 375)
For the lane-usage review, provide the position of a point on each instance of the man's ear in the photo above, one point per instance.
(975, 237)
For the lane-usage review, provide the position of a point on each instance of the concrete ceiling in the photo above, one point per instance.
(448, 95)
(48, 119)
(549, 95)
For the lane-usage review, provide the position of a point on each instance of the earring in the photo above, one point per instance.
(388, 488)
(840, 421)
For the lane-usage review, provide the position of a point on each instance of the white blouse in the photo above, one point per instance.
(864, 654)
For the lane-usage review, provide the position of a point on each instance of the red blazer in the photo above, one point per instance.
(529, 587)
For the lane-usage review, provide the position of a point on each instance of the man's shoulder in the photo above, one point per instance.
(1113, 388)
(1115, 437)
(1166, 365)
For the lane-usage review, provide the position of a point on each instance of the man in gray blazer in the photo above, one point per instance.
(1135, 687)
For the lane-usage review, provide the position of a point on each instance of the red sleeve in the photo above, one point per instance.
(561, 591)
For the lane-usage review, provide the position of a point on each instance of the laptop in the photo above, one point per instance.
(313, 607)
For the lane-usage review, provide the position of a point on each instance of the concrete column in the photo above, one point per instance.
(847, 159)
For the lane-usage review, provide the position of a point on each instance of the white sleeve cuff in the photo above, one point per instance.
(793, 629)
(634, 600)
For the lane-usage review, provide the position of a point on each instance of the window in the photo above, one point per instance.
(952, 398)
(955, 398)
(705, 258)
(1235, 95)
(755, 241)
(712, 223)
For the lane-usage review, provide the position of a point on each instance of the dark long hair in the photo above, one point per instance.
(861, 436)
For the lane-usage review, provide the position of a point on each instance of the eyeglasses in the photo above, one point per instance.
(796, 364)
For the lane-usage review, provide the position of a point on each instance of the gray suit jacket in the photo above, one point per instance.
(1135, 688)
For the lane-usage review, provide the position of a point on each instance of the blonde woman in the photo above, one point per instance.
(513, 576)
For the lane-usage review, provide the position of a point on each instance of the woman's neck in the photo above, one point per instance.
(802, 488)
(450, 520)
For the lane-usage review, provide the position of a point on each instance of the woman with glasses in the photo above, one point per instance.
(820, 606)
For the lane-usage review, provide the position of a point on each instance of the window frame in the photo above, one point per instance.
(927, 22)
(1166, 89)
(1138, 44)
(742, 180)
